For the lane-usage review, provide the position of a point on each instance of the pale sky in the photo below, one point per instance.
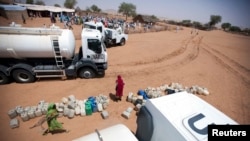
(236, 12)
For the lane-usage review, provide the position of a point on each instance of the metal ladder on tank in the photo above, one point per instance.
(57, 53)
(58, 60)
(58, 56)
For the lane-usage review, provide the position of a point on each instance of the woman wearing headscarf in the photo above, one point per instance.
(119, 87)
(53, 125)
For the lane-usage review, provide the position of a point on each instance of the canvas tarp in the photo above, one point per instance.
(45, 8)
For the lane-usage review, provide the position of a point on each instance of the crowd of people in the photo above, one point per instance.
(70, 19)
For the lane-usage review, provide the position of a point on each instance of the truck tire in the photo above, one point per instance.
(122, 42)
(86, 73)
(3, 79)
(23, 76)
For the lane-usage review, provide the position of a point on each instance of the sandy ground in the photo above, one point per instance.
(216, 60)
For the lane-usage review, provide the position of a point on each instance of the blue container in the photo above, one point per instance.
(143, 93)
(92, 99)
(93, 104)
(94, 107)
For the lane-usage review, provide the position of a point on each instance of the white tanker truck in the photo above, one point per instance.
(30, 53)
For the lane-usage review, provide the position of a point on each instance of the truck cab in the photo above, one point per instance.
(93, 50)
(95, 25)
(115, 37)
(110, 36)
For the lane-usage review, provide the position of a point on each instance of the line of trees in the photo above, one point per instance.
(38, 2)
(214, 20)
(231, 28)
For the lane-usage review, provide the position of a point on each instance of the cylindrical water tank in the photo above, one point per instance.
(23, 42)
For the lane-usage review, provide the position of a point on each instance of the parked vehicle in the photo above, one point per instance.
(118, 132)
(179, 116)
(30, 53)
(115, 37)
(111, 37)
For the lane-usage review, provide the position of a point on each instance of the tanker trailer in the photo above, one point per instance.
(30, 53)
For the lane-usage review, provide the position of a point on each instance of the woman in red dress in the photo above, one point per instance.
(119, 88)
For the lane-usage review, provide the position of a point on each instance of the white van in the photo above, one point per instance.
(118, 132)
(178, 117)
(175, 117)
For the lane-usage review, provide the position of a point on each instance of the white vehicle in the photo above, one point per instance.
(110, 36)
(176, 117)
(115, 37)
(30, 53)
(180, 116)
(95, 25)
(117, 132)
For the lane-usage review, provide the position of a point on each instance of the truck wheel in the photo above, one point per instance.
(3, 79)
(86, 73)
(23, 76)
(122, 43)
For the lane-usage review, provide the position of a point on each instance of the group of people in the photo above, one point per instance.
(67, 21)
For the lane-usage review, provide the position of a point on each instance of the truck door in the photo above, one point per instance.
(96, 50)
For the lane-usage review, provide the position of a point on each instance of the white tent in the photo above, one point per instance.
(45, 8)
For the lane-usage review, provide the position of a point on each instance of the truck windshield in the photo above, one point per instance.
(95, 45)
(99, 28)
(93, 27)
(89, 26)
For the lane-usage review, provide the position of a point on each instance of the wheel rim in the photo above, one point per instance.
(87, 74)
(23, 77)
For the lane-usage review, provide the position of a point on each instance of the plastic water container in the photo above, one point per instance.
(92, 101)
(143, 93)
(94, 107)
(88, 108)
(99, 107)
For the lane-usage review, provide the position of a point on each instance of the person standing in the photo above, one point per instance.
(119, 88)
(53, 125)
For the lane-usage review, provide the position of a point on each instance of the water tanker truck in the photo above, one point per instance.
(30, 53)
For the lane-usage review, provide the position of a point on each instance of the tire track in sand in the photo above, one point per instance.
(188, 52)
(229, 64)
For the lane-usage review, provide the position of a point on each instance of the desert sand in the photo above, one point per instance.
(215, 59)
